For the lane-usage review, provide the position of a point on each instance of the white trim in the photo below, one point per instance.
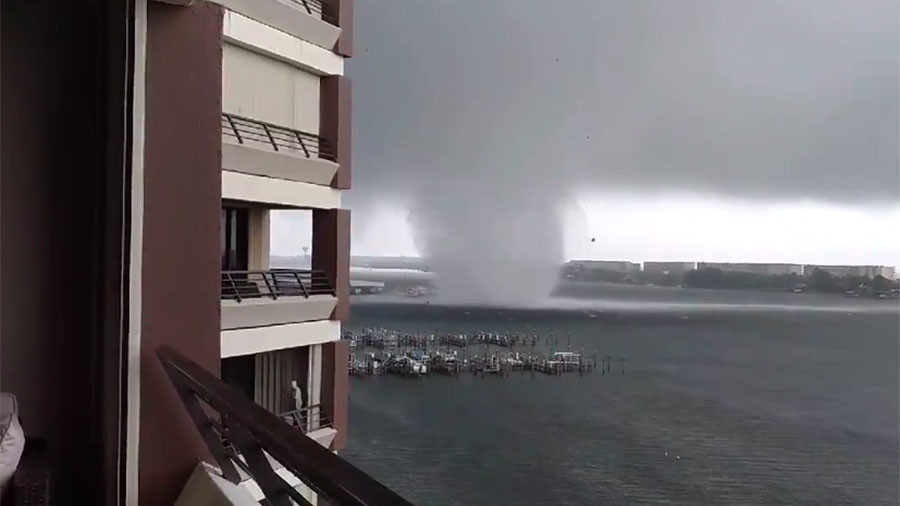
(206, 486)
(255, 36)
(315, 373)
(278, 192)
(278, 337)
(136, 252)
(290, 478)
(263, 311)
(288, 16)
(282, 164)
(323, 436)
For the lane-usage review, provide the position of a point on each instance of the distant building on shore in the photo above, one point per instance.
(666, 268)
(765, 269)
(621, 266)
(842, 271)
(679, 268)
(360, 287)
(390, 262)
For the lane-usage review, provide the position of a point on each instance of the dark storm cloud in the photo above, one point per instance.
(502, 108)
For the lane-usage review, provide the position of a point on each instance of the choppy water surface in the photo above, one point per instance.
(734, 404)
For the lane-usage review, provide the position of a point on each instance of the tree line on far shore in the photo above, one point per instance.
(818, 281)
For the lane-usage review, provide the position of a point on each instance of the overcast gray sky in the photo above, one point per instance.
(489, 124)
(765, 98)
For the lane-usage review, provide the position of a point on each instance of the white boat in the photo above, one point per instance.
(566, 360)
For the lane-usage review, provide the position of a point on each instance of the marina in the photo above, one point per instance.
(378, 351)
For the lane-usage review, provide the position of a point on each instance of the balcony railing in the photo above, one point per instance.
(278, 138)
(240, 285)
(240, 433)
(307, 419)
(316, 8)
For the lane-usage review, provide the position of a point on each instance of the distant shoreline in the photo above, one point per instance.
(609, 301)
(733, 289)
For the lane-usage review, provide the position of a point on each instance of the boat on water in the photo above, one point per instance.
(371, 364)
(459, 341)
(446, 363)
(565, 361)
(514, 362)
(418, 367)
(492, 366)
(406, 366)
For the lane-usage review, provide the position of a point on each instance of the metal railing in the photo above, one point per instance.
(279, 138)
(307, 419)
(240, 433)
(240, 285)
(316, 8)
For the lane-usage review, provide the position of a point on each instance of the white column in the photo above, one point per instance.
(259, 239)
(315, 380)
(135, 260)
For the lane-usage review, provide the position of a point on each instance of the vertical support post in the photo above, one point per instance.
(234, 129)
(300, 283)
(335, 109)
(331, 254)
(269, 134)
(234, 288)
(272, 291)
(341, 13)
(336, 388)
(302, 144)
(183, 146)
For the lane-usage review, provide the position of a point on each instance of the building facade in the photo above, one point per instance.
(148, 198)
(286, 145)
(619, 266)
(841, 271)
(765, 269)
(665, 268)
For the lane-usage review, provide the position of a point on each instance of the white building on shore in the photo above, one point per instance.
(766, 269)
(841, 271)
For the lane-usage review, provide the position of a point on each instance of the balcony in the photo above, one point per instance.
(308, 20)
(276, 166)
(255, 147)
(316, 9)
(312, 421)
(276, 309)
(258, 456)
(275, 297)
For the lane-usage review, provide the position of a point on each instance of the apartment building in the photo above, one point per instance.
(285, 145)
(144, 144)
